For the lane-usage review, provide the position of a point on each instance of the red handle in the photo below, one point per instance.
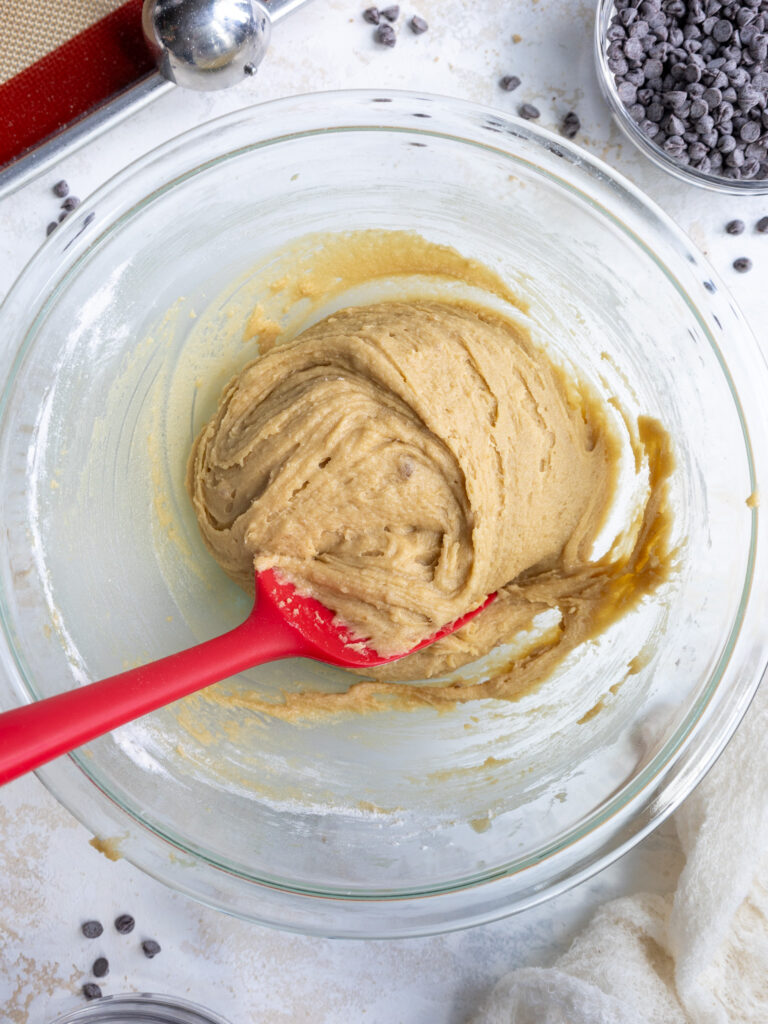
(36, 733)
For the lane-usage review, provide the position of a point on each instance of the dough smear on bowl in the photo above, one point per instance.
(403, 460)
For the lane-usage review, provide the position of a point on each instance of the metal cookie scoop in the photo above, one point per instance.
(283, 624)
(210, 44)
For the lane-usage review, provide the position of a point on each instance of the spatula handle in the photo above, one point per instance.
(36, 733)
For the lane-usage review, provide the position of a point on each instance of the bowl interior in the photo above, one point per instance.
(121, 362)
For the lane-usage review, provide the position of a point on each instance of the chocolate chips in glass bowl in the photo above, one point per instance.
(693, 76)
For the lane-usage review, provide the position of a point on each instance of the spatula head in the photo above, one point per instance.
(319, 626)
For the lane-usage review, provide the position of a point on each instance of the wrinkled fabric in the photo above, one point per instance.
(696, 956)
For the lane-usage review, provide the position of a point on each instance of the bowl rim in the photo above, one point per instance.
(631, 130)
(655, 794)
(142, 1007)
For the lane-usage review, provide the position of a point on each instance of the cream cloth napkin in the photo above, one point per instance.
(696, 956)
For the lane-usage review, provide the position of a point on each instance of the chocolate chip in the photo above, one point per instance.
(418, 25)
(61, 189)
(372, 15)
(675, 98)
(618, 66)
(91, 990)
(92, 929)
(100, 967)
(704, 124)
(124, 924)
(509, 83)
(735, 227)
(742, 264)
(722, 31)
(571, 125)
(758, 48)
(62, 215)
(762, 226)
(70, 203)
(750, 169)
(51, 227)
(627, 92)
(529, 112)
(627, 16)
(391, 13)
(633, 49)
(750, 132)
(150, 947)
(649, 128)
(675, 146)
(385, 35)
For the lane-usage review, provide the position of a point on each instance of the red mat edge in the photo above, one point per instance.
(85, 71)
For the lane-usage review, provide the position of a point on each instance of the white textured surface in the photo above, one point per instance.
(50, 878)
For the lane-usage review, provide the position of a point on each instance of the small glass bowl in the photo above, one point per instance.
(141, 1008)
(631, 129)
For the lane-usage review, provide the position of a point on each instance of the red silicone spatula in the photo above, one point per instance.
(283, 624)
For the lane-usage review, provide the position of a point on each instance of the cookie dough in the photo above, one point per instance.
(402, 461)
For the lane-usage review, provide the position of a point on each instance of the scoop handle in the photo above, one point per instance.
(36, 733)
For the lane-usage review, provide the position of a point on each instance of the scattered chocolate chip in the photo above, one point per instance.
(51, 227)
(100, 967)
(391, 13)
(418, 25)
(61, 189)
(92, 929)
(742, 264)
(91, 990)
(386, 35)
(571, 125)
(762, 226)
(124, 924)
(372, 15)
(529, 112)
(150, 947)
(509, 83)
(734, 227)
(62, 215)
(70, 203)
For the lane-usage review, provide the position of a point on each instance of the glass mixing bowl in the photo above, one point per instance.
(392, 823)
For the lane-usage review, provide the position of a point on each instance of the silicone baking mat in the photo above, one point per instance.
(59, 60)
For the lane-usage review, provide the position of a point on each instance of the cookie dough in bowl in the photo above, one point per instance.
(403, 460)
(628, 635)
